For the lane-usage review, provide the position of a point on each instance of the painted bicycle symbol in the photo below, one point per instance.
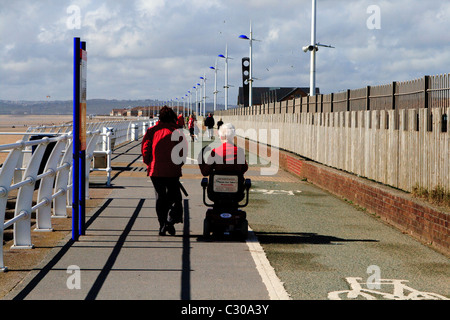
(364, 290)
(276, 192)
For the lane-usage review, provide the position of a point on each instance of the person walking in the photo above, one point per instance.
(180, 121)
(219, 123)
(209, 124)
(191, 127)
(164, 169)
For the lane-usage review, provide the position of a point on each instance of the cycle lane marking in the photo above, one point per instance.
(400, 291)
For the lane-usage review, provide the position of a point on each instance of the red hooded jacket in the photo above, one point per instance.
(164, 157)
(180, 121)
(227, 157)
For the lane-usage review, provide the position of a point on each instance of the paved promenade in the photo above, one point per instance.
(320, 247)
(123, 257)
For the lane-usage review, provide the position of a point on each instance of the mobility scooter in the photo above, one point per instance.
(224, 217)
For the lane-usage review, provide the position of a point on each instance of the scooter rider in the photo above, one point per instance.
(226, 157)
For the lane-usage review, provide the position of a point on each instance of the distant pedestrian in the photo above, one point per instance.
(219, 123)
(164, 168)
(192, 127)
(180, 121)
(209, 124)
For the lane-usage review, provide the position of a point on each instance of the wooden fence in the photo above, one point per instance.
(396, 134)
(366, 143)
(429, 91)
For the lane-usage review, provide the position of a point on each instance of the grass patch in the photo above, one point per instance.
(437, 195)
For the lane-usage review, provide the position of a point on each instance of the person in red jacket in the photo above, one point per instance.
(180, 121)
(164, 151)
(191, 127)
(226, 157)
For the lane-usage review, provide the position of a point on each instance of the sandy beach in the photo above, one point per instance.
(7, 121)
(20, 123)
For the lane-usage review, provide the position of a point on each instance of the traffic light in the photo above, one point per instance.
(245, 79)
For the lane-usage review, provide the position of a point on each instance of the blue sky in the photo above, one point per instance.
(158, 49)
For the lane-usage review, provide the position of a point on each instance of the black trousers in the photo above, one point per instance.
(169, 207)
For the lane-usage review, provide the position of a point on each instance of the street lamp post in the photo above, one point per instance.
(313, 47)
(196, 99)
(215, 85)
(250, 80)
(204, 93)
(226, 86)
(183, 106)
(189, 106)
(312, 79)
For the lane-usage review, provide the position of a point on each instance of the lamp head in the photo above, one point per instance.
(309, 48)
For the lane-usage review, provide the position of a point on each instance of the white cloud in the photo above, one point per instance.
(149, 9)
(159, 48)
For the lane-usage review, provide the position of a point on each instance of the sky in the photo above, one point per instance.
(159, 49)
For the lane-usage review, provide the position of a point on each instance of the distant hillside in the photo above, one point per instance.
(94, 106)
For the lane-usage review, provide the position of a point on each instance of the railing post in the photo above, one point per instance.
(108, 159)
(6, 175)
(63, 179)
(22, 228)
(43, 214)
(92, 142)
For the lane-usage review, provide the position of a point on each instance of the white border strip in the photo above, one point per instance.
(266, 271)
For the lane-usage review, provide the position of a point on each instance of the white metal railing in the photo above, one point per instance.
(20, 171)
(115, 133)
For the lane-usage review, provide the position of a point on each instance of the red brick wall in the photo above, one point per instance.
(422, 221)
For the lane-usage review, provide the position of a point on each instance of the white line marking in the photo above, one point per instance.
(266, 271)
(191, 159)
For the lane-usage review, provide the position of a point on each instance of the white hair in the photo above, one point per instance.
(227, 132)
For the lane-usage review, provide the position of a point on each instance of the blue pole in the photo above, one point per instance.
(82, 177)
(76, 140)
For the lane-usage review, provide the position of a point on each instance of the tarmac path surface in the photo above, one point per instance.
(320, 247)
(123, 257)
(323, 247)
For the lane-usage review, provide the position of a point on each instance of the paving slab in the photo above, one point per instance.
(315, 243)
(123, 257)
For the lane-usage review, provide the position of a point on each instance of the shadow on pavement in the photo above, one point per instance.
(302, 238)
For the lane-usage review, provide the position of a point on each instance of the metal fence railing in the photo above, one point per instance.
(37, 171)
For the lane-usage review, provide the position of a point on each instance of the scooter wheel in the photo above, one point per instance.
(206, 228)
(244, 230)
